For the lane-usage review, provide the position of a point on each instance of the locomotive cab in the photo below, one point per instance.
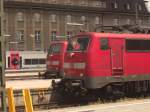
(94, 61)
(55, 59)
(76, 59)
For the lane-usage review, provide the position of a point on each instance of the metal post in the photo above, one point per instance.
(11, 101)
(27, 100)
(136, 13)
(2, 74)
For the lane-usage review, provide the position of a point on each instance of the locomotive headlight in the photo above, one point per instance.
(81, 74)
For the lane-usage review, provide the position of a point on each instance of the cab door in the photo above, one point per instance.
(116, 46)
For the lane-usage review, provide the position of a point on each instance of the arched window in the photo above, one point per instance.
(20, 16)
(37, 17)
(139, 7)
(127, 6)
(53, 18)
(140, 22)
(116, 22)
(69, 2)
(97, 20)
(84, 2)
(83, 18)
(68, 18)
(128, 21)
(114, 5)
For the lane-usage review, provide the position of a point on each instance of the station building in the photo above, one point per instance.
(31, 24)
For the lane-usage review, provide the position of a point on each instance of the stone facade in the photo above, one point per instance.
(32, 24)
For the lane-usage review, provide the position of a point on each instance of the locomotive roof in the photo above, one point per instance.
(117, 35)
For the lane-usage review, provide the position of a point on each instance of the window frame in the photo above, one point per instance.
(137, 50)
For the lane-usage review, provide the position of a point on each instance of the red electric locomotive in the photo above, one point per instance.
(116, 63)
(55, 59)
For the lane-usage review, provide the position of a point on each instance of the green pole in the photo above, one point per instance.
(2, 60)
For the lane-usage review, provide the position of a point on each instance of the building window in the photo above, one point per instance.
(69, 34)
(53, 1)
(20, 35)
(37, 0)
(53, 35)
(20, 16)
(97, 21)
(83, 2)
(104, 4)
(53, 18)
(68, 2)
(68, 18)
(37, 17)
(114, 5)
(115, 22)
(37, 36)
(127, 6)
(140, 22)
(128, 21)
(139, 7)
(100, 4)
(83, 18)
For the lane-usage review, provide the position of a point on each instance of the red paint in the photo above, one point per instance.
(14, 60)
(54, 57)
(108, 62)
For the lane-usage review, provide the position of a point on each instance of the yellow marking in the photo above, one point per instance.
(11, 102)
(27, 100)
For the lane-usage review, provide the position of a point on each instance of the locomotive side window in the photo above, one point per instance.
(35, 61)
(28, 61)
(104, 44)
(138, 45)
(42, 61)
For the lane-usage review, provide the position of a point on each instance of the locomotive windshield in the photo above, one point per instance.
(78, 44)
(54, 48)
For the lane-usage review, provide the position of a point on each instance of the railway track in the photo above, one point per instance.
(54, 102)
(59, 106)
(51, 100)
